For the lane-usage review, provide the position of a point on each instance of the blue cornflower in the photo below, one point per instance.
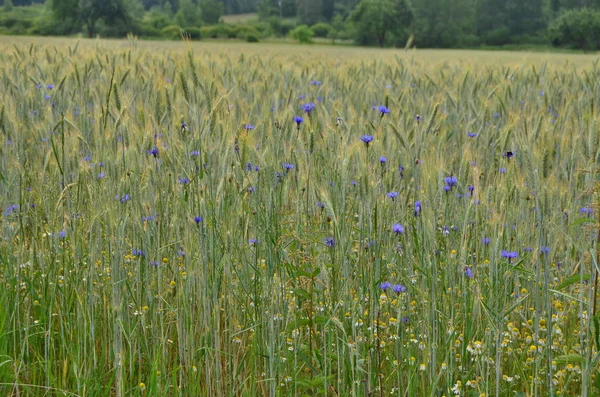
(87, 159)
(545, 250)
(447, 188)
(197, 219)
(308, 107)
(248, 167)
(125, 198)
(417, 208)
(502, 170)
(315, 82)
(382, 160)
(101, 175)
(486, 240)
(248, 127)
(137, 252)
(11, 209)
(397, 228)
(252, 241)
(398, 288)
(586, 210)
(153, 151)
(62, 234)
(287, 166)
(383, 110)
(251, 189)
(509, 254)
(450, 181)
(471, 188)
(329, 241)
(367, 139)
(471, 134)
(298, 120)
(184, 181)
(195, 153)
(50, 86)
(392, 195)
(418, 118)
(469, 272)
(385, 285)
(320, 205)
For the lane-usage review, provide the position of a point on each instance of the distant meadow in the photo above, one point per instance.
(229, 220)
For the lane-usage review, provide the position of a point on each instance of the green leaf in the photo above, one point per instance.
(572, 358)
(574, 279)
(302, 293)
(303, 383)
(320, 320)
(581, 221)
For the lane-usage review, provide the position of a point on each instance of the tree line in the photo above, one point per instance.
(422, 23)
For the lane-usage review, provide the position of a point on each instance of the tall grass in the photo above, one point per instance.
(152, 243)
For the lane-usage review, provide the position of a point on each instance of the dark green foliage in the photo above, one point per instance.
(76, 15)
(251, 38)
(381, 22)
(309, 11)
(429, 23)
(281, 27)
(193, 33)
(188, 14)
(211, 11)
(577, 29)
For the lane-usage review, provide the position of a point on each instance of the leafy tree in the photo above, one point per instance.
(525, 17)
(77, 14)
(578, 29)
(379, 21)
(188, 14)
(8, 5)
(445, 23)
(211, 11)
(321, 29)
(577, 4)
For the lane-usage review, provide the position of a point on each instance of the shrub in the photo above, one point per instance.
(251, 38)
(171, 32)
(227, 31)
(244, 30)
(209, 32)
(498, 36)
(321, 29)
(194, 33)
(147, 30)
(302, 33)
